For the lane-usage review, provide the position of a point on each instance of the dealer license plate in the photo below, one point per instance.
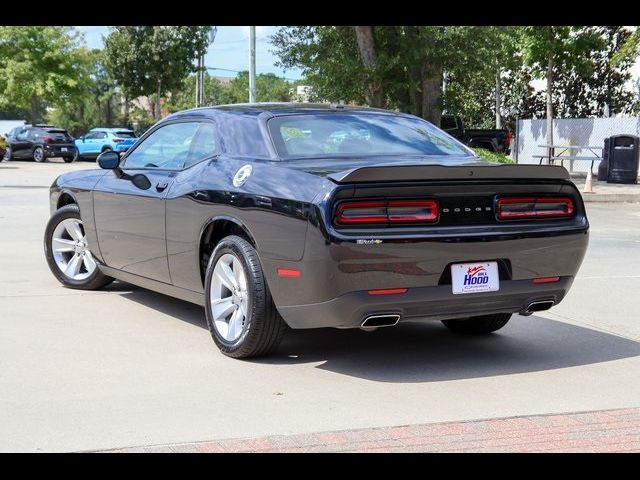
(63, 149)
(475, 277)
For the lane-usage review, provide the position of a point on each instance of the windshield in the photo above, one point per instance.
(359, 134)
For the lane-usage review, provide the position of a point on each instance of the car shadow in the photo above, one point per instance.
(428, 351)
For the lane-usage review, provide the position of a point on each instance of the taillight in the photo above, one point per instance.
(516, 208)
(47, 139)
(118, 140)
(385, 212)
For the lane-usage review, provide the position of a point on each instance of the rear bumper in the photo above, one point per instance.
(57, 150)
(425, 303)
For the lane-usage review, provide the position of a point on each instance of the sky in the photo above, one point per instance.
(230, 50)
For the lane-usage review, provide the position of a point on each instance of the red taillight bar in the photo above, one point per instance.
(118, 140)
(380, 217)
(387, 212)
(534, 207)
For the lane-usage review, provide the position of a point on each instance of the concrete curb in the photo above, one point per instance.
(611, 197)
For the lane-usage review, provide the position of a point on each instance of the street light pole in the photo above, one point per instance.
(252, 64)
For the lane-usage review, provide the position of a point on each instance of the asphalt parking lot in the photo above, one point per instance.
(128, 367)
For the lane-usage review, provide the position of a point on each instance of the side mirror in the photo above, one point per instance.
(109, 160)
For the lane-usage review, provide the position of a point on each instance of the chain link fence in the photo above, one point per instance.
(570, 131)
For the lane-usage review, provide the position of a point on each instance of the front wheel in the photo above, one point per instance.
(7, 154)
(38, 154)
(67, 252)
(68, 159)
(241, 315)
(478, 325)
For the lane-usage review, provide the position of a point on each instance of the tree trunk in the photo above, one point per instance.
(366, 46)
(550, 104)
(431, 92)
(498, 117)
(126, 110)
(158, 92)
(34, 109)
(108, 111)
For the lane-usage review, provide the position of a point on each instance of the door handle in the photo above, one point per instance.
(160, 186)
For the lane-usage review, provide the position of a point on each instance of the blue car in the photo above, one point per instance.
(98, 140)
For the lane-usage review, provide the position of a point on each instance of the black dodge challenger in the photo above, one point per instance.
(310, 216)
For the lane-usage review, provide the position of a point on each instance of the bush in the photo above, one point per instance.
(3, 146)
(492, 156)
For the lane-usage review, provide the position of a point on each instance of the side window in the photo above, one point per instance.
(22, 134)
(90, 136)
(167, 147)
(34, 134)
(101, 135)
(204, 144)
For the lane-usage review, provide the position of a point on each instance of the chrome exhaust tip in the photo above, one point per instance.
(374, 321)
(539, 306)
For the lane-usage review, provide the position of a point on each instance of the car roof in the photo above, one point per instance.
(284, 108)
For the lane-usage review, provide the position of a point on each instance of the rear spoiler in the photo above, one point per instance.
(403, 173)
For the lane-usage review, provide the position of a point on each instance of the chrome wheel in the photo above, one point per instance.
(229, 297)
(70, 252)
(38, 154)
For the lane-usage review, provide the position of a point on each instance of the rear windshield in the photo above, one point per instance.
(126, 134)
(358, 134)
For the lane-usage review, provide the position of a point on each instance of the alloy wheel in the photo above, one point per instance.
(70, 251)
(229, 297)
(38, 154)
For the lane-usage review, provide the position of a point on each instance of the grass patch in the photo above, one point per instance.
(492, 156)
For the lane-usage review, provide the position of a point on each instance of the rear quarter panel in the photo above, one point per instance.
(273, 206)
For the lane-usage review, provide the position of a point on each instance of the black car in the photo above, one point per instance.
(494, 140)
(39, 142)
(310, 216)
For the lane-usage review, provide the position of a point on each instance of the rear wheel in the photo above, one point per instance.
(67, 253)
(241, 315)
(478, 325)
(68, 159)
(38, 154)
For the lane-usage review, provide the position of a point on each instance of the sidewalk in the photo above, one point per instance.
(608, 192)
(599, 431)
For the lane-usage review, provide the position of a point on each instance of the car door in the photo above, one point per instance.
(130, 216)
(21, 145)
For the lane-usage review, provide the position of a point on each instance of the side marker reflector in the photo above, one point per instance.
(546, 279)
(288, 272)
(388, 291)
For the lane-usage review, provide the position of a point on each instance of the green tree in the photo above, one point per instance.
(549, 48)
(150, 59)
(98, 104)
(387, 66)
(269, 88)
(39, 66)
(215, 93)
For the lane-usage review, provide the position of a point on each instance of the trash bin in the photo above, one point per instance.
(623, 159)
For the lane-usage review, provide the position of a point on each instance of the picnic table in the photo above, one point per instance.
(552, 156)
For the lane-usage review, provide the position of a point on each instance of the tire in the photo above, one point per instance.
(68, 159)
(87, 278)
(478, 325)
(38, 154)
(260, 329)
(7, 154)
(106, 149)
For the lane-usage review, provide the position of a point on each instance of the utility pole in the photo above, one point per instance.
(200, 72)
(252, 64)
(198, 81)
